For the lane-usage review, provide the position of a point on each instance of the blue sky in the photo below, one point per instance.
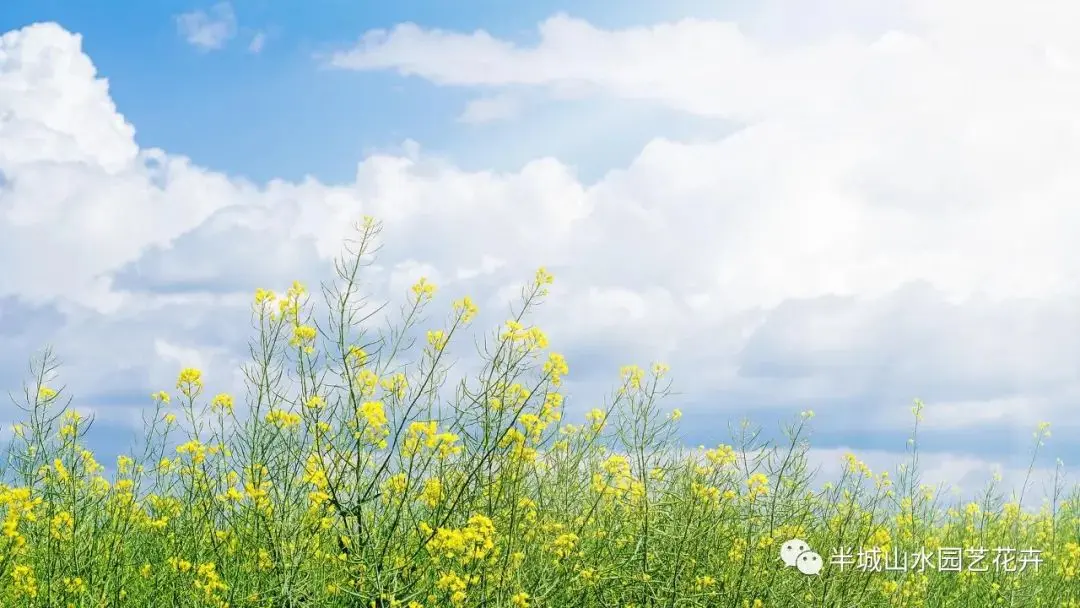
(823, 205)
(275, 114)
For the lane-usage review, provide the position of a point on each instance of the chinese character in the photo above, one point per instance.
(976, 557)
(950, 559)
(1030, 557)
(870, 560)
(1005, 560)
(898, 563)
(841, 557)
(922, 561)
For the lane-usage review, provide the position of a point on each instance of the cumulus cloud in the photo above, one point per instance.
(894, 219)
(209, 30)
(913, 145)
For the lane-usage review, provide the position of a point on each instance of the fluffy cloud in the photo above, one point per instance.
(902, 182)
(210, 31)
(894, 219)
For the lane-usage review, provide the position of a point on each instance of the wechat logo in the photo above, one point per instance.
(797, 554)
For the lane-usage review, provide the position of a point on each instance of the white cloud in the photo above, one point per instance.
(487, 266)
(208, 31)
(258, 41)
(490, 109)
(895, 219)
(957, 477)
(715, 68)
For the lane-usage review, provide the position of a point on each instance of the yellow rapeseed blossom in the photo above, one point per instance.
(465, 309)
(543, 279)
(703, 583)
(194, 450)
(423, 290)
(62, 526)
(283, 419)
(264, 297)
(758, 484)
(633, 376)
(395, 385)
(722, 455)
(303, 338)
(222, 402)
(395, 485)
(366, 382)
(432, 493)
(23, 581)
(555, 368)
(596, 418)
(437, 339)
(190, 382)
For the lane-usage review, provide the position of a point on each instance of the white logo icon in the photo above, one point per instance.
(797, 553)
(810, 563)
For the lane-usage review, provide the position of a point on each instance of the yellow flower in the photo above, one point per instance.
(283, 419)
(264, 297)
(222, 403)
(465, 309)
(423, 290)
(179, 565)
(304, 338)
(395, 385)
(437, 339)
(633, 376)
(543, 278)
(74, 585)
(194, 449)
(357, 356)
(432, 493)
(24, 582)
(189, 382)
(722, 455)
(62, 526)
(596, 418)
(1042, 432)
(702, 583)
(46, 394)
(556, 368)
(564, 545)
(758, 485)
(62, 472)
(366, 382)
(396, 485)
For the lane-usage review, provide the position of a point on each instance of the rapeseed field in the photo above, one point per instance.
(353, 472)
